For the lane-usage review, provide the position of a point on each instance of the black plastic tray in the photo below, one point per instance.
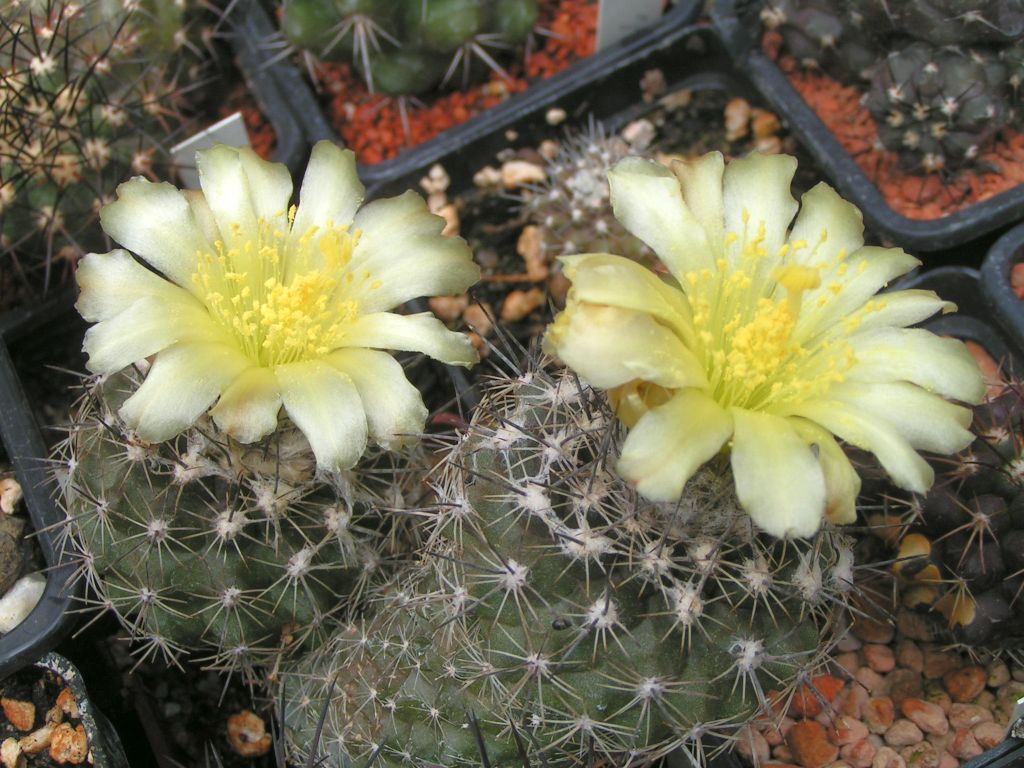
(53, 617)
(585, 74)
(995, 283)
(739, 26)
(247, 27)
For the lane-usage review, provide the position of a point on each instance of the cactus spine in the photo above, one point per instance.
(559, 615)
(232, 553)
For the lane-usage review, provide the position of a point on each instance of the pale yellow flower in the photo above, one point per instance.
(255, 306)
(765, 342)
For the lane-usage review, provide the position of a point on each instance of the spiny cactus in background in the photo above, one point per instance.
(961, 546)
(830, 35)
(559, 615)
(405, 47)
(88, 94)
(938, 106)
(233, 553)
(573, 206)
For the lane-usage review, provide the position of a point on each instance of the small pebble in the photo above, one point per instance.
(887, 757)
(879, 657)
(639, 134)
(516, 173)
(851, 700)
(68, 745)
(860, 754)
(964, 746)
(846, 730)
(809, 744)
(946, 760)
(937, 663)
(10, 495)
(879, 714)
(903, 733)
(965, 684)
(488, 176)
(737, 119)
(555, 116)
(518, 304)
(927, 716)
(20, 714)
(36, 741)
(448, 308)
(850, 661)
(10, 754)
(910, 655)
(968, 716)
(998, 674)
(752, 745)
(849, 642)
(530, 247)
(936, 694)
(988, 734)
(904, 684)
(869, 679)
(920, 755)
(20, 600)
(479, 318)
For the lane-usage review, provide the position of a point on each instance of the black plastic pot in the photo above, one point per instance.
(104, 744)
(52, 618)
(589, 73)
(995, 283)
(738, 24)
(248, 27)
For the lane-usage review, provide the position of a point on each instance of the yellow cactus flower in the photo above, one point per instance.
(248, 305)
(767, 342)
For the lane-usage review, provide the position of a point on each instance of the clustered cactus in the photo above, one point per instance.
(88, 92)
(557, 614)
(573, 206)
(942, 76)
(961, 550)
(407, 47)
(234, 554)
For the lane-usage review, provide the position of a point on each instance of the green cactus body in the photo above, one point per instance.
(959, 22)
(573, 207)
(558, 614)
(962, 552)
(233, 553)
(408, 47)
(937, 107)
(86, 92)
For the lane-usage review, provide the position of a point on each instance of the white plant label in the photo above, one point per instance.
(618, 18)
(231, 131)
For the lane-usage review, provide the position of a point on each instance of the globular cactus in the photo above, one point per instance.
(957, 22)
(407, 47)
(938, 107)
(573, 205)
(232, 553)
(830, 35)
(961, 550)
(87, 91)
(559, 616)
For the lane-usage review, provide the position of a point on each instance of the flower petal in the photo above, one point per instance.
(401, 254)
(825, 308)
(149, 325)
(939, 365)
(647, 199)
(701, 183)
(324, 404)
(331, 192)
(614, 281)
(899, 309)
(897, 456)
(395, 411)
(608, 347)
(411, 333)
(156, 222)
(778, 478)
(756, 192)
(202, 213)
(183, 381)
(248, 408)
(926, 421)
(671, 441)
(109, 283)
(829, 225)
(241, 189)
(842, 483)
